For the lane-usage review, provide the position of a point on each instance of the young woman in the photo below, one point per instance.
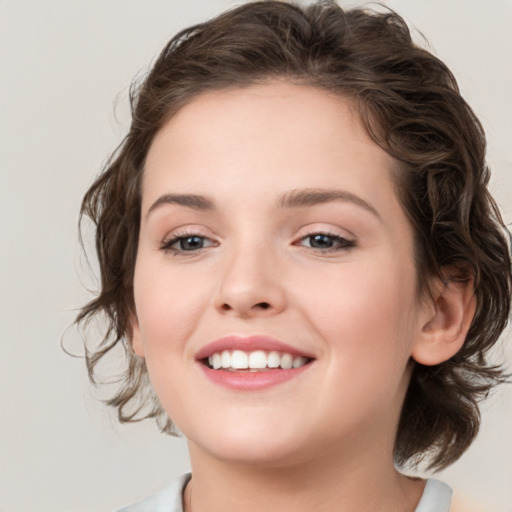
(300, 255)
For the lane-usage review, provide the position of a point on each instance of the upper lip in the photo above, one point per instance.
(249, 344)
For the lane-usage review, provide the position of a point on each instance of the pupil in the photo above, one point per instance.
(321, 241)
(191, 243)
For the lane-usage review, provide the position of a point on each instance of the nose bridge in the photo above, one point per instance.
(249, 281)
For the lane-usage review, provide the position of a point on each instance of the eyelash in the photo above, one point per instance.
(343, 244)
(167, 245)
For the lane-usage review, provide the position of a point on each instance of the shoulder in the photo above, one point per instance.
(437, 496)
(169, 499)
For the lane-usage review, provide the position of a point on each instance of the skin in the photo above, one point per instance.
(323, 440)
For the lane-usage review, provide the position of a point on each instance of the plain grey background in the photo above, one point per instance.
(64, 63)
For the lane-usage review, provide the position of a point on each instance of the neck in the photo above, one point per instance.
(328, 483)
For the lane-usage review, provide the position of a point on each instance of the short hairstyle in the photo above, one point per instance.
(410, 105)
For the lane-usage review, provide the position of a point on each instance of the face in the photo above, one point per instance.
(272, 236)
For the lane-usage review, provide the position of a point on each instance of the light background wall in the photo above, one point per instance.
(62, 64)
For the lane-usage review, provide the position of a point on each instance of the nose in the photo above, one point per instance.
(250, 285)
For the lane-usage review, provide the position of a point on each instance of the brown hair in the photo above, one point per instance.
(410, 105)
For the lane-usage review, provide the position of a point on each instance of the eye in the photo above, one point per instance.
(326, 242)
(187, 243)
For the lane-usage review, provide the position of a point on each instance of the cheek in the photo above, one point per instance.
(366, 311)
(168, 308)
(364, 317)
(167, 319)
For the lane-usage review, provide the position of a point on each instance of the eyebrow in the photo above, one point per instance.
(292, 199)
(194, 201)
(312, 197)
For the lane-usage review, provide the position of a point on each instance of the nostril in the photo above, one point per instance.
(258, 306)
(262, 305)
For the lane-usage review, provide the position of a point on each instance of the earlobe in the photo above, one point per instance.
(447, 324)
(135, 336)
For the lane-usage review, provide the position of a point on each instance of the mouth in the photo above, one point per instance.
(254, 361)
(251, 363)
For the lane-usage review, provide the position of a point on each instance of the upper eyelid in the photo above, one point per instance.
(184, 232)
(166, 245)
(345, 243)
(187, 233)
(334, 232)
(328, 234)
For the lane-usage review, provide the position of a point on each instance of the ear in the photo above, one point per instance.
(446, 322)
(136, 339)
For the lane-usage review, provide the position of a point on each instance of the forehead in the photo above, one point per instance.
(263, 139)
(263, 116)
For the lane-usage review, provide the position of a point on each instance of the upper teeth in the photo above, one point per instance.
(259, 359)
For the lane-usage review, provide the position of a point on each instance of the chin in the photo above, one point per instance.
(257, 446)
(257, 456)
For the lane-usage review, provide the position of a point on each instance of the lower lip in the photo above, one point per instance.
(251, 381)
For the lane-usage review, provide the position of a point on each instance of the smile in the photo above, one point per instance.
(258, 360)
(251, 363)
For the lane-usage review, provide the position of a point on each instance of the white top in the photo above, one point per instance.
(436, 497)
